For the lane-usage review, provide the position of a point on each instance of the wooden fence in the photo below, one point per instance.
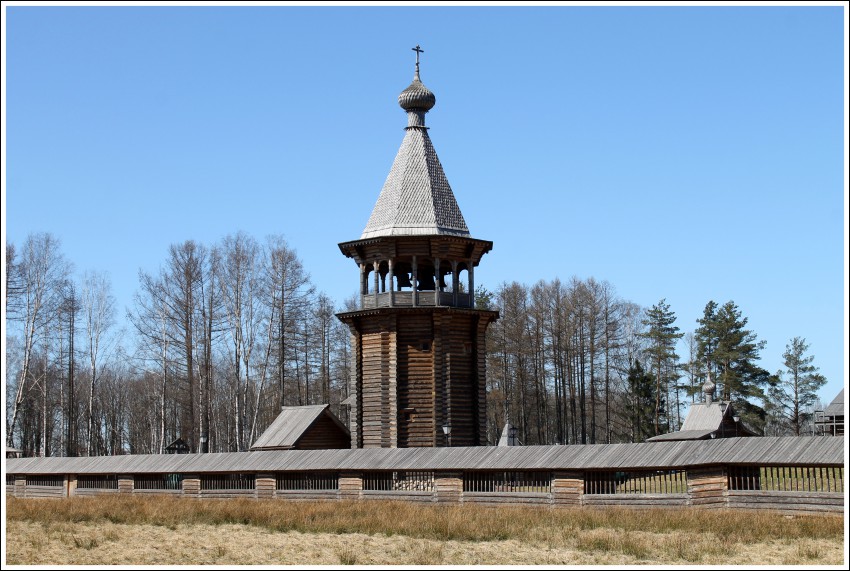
(790, 489)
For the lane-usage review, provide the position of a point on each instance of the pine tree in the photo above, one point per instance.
(731, 352)
(662, 336)
(796, 391)
(641, 405)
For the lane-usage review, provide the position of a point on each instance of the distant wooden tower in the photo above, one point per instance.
(418, 341)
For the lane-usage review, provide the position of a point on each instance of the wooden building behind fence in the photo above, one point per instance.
(418, 340)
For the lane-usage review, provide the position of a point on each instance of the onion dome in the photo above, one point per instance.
(708, 388)
(416, 97)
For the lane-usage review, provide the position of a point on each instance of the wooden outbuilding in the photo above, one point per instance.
(418, 339)
(312, 427)
(709, 419)
(831, 420)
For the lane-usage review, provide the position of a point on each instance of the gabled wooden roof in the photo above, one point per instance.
(291, 424)
(704, 419)
(836, 407)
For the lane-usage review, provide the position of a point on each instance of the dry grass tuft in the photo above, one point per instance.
(87, 530)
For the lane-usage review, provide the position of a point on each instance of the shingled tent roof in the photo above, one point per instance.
(416, 198)
(291, 424)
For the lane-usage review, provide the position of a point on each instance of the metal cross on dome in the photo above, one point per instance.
(418, 51)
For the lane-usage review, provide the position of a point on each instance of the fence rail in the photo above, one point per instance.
(510, 482)
(298, 481)
(796, 489)
(97, 482)
(636, 482)
(171, 482)
(786, 478)
(228, 482)
(414, 481)
(47, 480)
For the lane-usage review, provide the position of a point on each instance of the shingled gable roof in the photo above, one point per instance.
(836, 407)
(702, 420)
(416, 199)
(290, 425)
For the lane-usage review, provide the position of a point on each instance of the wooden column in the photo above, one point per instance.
(71, 484)
(471, 271)
(448, 487)
(350, 485)
(454, 283)
(192, 485)
(708, 487)
(376, 266)
(415, 281)
(265, 485)
(364, 286)
(126, 484)
(567, 489)
(437, 282)
(20, 487)
(390, 276)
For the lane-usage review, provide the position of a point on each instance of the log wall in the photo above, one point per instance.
(567, 489)
(707, 488)
(787, 502)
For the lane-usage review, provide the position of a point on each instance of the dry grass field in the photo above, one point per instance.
(156, 530)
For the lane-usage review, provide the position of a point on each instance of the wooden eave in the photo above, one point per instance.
(370, 249)
(349, 316)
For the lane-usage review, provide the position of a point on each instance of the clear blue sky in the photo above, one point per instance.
(685, 153)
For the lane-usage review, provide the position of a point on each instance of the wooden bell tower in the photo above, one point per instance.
(418, 342)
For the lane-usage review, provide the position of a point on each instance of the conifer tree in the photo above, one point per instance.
(796, 390)
(732, 352)
(662, 336)
(641, 405)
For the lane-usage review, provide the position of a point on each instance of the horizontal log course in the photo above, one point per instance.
(800, 508)
(397, 495)
(838, 496)
(158, 492)
(296, 495)
(93, 491)
(44, 492)
(227, 494)
(505, 499)
(635, 500)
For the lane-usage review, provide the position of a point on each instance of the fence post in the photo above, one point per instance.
(126, 484)
(448, 487)
(567, 489)
(265, 485)
(708, 487)
(192, 485)
(350, 485)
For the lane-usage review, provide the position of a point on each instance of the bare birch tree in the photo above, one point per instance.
(42, 270)
(98, 306)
